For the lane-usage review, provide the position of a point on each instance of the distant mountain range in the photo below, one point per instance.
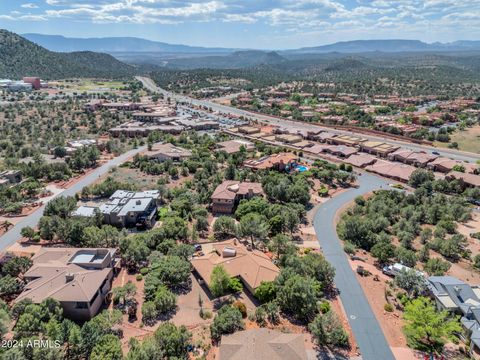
(137, 45)
(115, 44)
(387, 46)
(20, 57)
(235, 60)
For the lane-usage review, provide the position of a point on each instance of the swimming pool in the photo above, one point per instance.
(301, 168)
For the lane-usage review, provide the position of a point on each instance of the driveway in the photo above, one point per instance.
(365, 327)
(32, 220)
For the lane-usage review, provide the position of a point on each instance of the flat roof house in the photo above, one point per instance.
(342, 151)
(234, 146)
(79, 279)
(361, 160)
(126, 106)
(346, 140)
(262, 344)
(35, 81)
(162, 152)
(248, 130)
(400, 172)
(469, 180)
(456, 296)
(416, 158)
(228, 194)
(445, 165)
(125, 209)
(11, 176)
(198, 124)
(289, 138)
(251, 266)
(325, 136)
(319, 148)
(377, 148)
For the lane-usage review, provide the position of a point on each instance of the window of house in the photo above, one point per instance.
(81, 305)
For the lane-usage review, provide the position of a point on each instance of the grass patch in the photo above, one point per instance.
(467, 140)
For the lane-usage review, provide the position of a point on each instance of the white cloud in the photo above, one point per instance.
(398, 18)
(29, 6)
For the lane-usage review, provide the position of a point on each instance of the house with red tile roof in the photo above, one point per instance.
(229, 193)
(250, 266)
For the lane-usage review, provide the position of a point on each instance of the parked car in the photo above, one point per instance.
(395, 269)
(474, 201)
(435, 153)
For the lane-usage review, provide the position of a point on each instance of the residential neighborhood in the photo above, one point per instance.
(239, 180)
(210, 219)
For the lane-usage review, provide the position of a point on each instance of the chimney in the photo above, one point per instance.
(69, 277)
(138, 202)
(229, 252)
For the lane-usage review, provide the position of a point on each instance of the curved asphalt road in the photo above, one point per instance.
(365, 327)
(32, 220)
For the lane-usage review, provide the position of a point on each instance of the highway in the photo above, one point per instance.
(365, 327)
(296, 125)
(32, 220)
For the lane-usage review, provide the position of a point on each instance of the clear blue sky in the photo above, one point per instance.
(264, 24)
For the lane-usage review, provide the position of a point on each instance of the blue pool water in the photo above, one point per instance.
(301, 168)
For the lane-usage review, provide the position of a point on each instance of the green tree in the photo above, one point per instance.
(224, 228)
(411, 281)
(420, 177)
(92, 331)
(149, 312)
(317, 267)
(281, 244)
(27, 232)
(227, 321)
(383, 251)
(255, 205)
(172, 341)
(172, 271)
(459, 168)
(16, 265)
(9, 285)
(219, 281)
(108, 348)
(266, 291)
(428, 329)
(405, 256)
(60, 206)
(254, 226)
(299, 296)
(356, 231)
(476, 261)
(327, 330)
(175, 228)
(4, 322)
(134, 249)
(165, 300)
(436, 267)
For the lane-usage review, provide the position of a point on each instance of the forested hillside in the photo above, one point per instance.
(406, 74)
(20, 57)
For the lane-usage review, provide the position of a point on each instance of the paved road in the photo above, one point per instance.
(32, 220)
(365, 327)
(295, 125)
